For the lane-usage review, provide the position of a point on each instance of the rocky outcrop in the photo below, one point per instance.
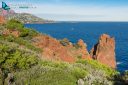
(61, 50)
(2, 20)
(83, 50)
(104, 51)
(52, 49)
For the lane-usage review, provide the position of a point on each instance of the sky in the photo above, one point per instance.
(74, 10)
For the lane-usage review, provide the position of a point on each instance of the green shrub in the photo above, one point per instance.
(24, 32)
(96, 65)
(27, 32)
(14, 24)
(26, 43)
(32, 32)
(12, 58)
(20, 41)
(55, 64)
(45, 76)
(79, 56)
(77, 46)
(125, 76)
(76, 71)
(51, 73)
(79, 72)
(10, 38)
(65, 42)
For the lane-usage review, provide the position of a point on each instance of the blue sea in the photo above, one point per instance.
(90, 33)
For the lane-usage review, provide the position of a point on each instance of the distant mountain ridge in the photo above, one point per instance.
(23, 17)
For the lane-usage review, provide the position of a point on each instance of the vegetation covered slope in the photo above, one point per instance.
(21, 63)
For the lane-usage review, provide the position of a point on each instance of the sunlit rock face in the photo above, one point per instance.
(83, 49)
(52, 49)
(104, 51)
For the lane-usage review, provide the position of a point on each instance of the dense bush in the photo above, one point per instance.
(77, 46)
(51, 73)
(41, 75)
(79, 72)
(65, 42)
(14, 25)
(59, 73)
(27, 32)
(12, 58)
(98, 74)
(55, 64)
(96, 65)
(24, 32)
(10, 38)
(21, 41)
(1, 78)
(125, 77)
(26, 43)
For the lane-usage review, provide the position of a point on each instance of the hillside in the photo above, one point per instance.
(29, 57)
(24, 17)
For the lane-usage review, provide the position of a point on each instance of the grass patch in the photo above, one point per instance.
(96, 65)
(51, 73)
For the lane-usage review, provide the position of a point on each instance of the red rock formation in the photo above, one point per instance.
(2, 20)
(104, 51)
(83, 50)
(52, 49)
(15, 33)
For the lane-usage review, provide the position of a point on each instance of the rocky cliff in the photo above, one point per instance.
(53, 49)
(104, 51)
